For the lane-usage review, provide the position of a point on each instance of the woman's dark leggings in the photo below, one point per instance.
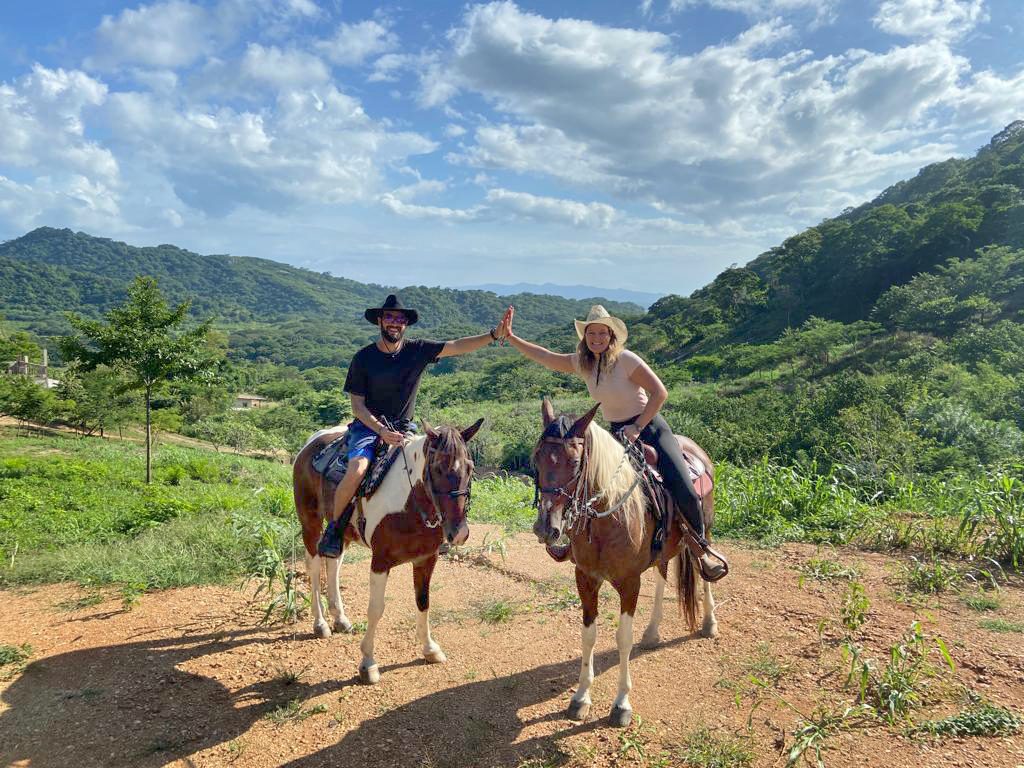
(673, 468)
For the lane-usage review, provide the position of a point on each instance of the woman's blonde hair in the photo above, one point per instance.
(589, 361)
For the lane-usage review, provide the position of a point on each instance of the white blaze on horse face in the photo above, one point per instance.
(390, 498)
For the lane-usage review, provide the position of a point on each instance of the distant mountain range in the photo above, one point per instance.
(639, 298)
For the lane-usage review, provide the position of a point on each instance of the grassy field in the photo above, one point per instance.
(76, 509)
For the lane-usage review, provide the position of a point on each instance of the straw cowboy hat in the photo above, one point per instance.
(599, 314)
(394, 304)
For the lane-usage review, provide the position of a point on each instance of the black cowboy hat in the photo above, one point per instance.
(394, 304)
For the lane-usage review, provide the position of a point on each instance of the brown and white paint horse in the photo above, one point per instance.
(590, 492)
(422, 501)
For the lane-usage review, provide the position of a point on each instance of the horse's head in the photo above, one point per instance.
(448, 477)
(559, 460)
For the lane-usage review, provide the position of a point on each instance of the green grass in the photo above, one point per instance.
(497, 611)
(982, 602)
(825, 569)
(981, 719)
(505, 501)
(293, 711)
(1001, 625)
(705, 749)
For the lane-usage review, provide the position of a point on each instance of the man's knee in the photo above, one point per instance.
(357, 466)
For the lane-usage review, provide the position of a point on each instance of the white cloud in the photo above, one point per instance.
(738, 128)
(282, 69)
(453, 131)
(822, 9)
(551, 209)
(163, 35)
(406, 210)
(930, 19)
(353, 44)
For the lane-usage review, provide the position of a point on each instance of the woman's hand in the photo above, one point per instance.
(506, 322)
(631, 433)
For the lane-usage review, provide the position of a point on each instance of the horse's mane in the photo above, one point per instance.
(613, 477)
(449, 440)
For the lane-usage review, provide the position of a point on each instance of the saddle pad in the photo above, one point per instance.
(378, 470)
(331, 461)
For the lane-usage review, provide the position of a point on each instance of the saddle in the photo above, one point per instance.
(331, 462)
(699, 475)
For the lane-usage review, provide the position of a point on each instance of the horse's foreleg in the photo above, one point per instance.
(368, 671)
(622, 711)
(334, 604)
(710, 627)
(421, 574)
(320, 626)
(651, 636)
(579, 705)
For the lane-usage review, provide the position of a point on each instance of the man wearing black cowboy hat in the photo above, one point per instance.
(382, 382)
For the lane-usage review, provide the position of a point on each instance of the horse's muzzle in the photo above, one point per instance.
(459, 537)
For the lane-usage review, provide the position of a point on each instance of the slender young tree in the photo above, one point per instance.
(144, 340)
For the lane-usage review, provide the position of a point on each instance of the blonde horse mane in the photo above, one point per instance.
(609, 474)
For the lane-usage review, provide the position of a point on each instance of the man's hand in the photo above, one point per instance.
(505, 326)
(391, 437)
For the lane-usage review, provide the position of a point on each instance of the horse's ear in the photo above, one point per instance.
(429, 431)
(580, 427)
(468, 432)
(547, 412)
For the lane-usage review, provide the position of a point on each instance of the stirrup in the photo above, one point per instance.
(698, 548)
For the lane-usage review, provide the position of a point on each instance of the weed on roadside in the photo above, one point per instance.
(496, 611)
(704, 749)
(1001, 625)
(292, 711)
(825, 569)
(853, 612)
(979, 719)
(930, 577)
(79, 603)
(982, 602)
(13, 659)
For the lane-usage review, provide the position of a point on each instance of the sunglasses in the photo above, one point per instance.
(394, 318)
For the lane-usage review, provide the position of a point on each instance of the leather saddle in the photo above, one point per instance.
(699, 475)
(331, 462)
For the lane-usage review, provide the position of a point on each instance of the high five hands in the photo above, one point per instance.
(504, 329)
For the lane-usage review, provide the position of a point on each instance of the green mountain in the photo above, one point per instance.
(273, 311)
(843, 268)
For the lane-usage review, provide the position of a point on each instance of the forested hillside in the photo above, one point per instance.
(843, 268)
(274, 312)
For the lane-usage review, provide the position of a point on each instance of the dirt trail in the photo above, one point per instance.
(189, 678)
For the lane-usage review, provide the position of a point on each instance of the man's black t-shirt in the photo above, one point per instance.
(390, 382)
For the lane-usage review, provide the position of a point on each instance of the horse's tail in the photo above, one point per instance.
(686, 587)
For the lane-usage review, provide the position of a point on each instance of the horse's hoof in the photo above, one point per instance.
(620, 717)
(322, 630)
(652, 640)
(343, 625)
(578, 710)
(369, 675)
(710, 630)
(435, 657)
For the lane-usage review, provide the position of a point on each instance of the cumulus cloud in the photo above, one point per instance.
(738, 127)
(822, 9)
(163, 35)
(353, 44)
(282, 69)
(931, 19)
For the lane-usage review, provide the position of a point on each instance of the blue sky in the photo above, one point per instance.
(644, 145)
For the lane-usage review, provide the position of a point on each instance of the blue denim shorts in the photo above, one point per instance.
(362, 441)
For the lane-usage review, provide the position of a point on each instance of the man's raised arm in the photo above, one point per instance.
(473, 343)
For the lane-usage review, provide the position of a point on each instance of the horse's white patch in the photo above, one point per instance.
(554, 459)
(335, 430)
(390, 498)
(455, 466)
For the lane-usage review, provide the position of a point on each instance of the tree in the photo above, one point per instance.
(142, 340)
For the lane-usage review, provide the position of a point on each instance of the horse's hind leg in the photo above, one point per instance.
(652, 636)
(335, 606)
(320, 626)
(622, 710)
(579, 705)
(421, 574)
(710, 627)
(368, 670)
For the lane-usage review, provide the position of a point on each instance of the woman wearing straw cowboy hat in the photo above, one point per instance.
(631, 396)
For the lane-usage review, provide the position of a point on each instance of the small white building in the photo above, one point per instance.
(38, 372)
(244, 401)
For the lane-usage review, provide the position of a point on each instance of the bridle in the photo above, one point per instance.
(579, 504)
(428, 483)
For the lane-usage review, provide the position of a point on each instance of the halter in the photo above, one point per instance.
(428, 483)
(579, 507)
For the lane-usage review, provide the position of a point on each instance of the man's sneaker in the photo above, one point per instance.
(331, 542)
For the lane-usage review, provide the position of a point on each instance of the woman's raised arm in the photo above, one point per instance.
(553, 360)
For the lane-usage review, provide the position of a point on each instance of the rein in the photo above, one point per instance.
(428, 483)
(580, 508)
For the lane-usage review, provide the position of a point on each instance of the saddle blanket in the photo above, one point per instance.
(331, 462)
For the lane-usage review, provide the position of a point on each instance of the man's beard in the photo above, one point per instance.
(391, 337)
